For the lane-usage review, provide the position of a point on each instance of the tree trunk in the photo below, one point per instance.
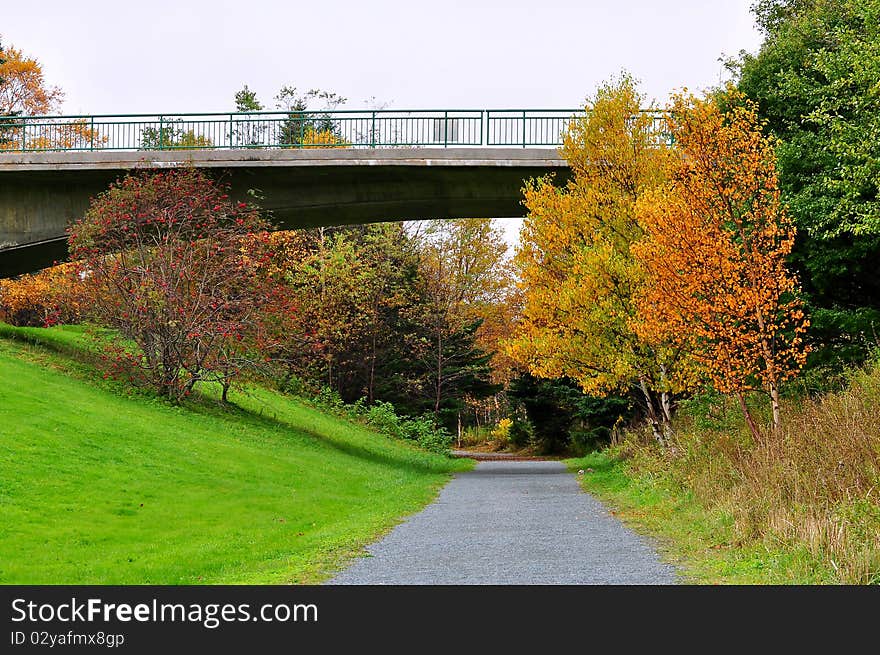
(774, 401)
(768, 361)
(753, 427)
(666, 406)
(656, 428)
(372, 383)
(439, 373)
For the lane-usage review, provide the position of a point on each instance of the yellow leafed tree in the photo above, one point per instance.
(323, 139)
(576, 268)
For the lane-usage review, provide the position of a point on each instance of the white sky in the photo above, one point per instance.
(163, 56)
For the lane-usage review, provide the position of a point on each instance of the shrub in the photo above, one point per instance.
(41, 299)
(293, 385)
(557, 410)
(586, 440)
(473, 435)
(383, 417)
(501, 432)
(427, 434)
(330, 400)
(174, 265)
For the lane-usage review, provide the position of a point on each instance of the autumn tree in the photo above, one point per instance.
(2, 60)
(393, 312)
(329, 278)
(294, 339)
(577, 271)
(24, 89)
(5, 124)
(351, 285)
(714, 251)
(25, 92)
(498, 321)
(173, 264)
(466, 273)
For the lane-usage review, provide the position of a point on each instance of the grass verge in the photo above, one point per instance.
(797, 505)
(100, 486)
(700, 540)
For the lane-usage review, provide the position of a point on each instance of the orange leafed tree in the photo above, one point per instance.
(714, 254)
(24, 89)
(24, 92)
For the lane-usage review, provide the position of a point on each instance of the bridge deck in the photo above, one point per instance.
(40, 192)
(17, 161)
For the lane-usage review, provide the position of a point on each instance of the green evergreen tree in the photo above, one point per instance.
(562, 417)
(452, 369)
(248, 131)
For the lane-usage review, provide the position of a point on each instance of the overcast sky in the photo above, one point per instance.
(162, 56)
(188, 56)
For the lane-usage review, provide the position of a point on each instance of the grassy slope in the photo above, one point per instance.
(99, 487)
(698, 540)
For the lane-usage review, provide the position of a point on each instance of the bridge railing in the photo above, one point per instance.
(279, 129)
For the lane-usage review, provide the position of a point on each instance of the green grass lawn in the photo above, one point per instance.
(102, 487)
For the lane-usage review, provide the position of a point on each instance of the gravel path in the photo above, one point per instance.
(511, 522)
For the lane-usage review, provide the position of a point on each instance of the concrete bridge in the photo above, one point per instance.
(311, 167)
(40, 192)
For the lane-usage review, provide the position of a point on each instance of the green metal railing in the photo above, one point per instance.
(277, 129)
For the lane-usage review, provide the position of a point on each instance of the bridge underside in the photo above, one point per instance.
(41, 193)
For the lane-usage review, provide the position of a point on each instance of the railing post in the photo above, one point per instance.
(24, 136)
(524, 128)
(92, 134)
(161, 133)
(373, 131)
(445, 129)
(230, 130)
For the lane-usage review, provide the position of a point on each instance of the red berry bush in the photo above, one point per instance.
(176, 267)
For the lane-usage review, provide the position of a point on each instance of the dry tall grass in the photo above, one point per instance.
(814, 484)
